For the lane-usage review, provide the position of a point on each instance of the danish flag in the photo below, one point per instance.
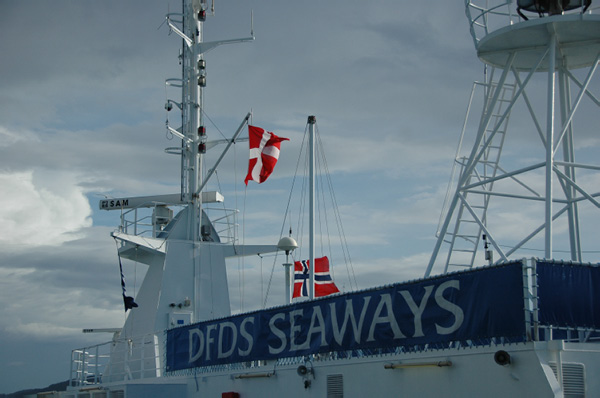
(264, 152)
(324, 285)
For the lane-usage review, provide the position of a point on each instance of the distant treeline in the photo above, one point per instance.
(62, 386)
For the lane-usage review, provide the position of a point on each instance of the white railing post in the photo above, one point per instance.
(97, 366)
(158, 370)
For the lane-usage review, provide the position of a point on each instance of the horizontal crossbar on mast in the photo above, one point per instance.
(156, 200)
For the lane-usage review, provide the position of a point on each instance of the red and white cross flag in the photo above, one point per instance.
(264, 152)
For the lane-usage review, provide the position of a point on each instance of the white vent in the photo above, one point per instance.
(335, 386)
(573, 379)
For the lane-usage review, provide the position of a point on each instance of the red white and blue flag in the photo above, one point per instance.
(324, 285)
(264, 152)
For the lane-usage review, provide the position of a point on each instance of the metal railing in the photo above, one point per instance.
(145, 220)
(225, 223)
(486, 16)
(117, 360)
(87, 365)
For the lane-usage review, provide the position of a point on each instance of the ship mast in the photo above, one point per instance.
(311, 220)
(192, 130)
(194, 80)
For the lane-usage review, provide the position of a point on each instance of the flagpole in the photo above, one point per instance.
(287, 244)
(311, 216)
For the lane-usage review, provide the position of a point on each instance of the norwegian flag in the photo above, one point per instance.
(264, 152)
(324, 285)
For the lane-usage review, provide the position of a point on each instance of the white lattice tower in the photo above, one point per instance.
(534, 198)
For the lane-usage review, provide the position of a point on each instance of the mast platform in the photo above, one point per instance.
(577, 42)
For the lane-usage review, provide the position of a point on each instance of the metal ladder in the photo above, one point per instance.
(471, 209)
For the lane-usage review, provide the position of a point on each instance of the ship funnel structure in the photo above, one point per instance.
(526, 184)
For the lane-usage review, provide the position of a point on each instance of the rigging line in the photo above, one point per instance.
(274, 255)
(302, 190)
(270, 278)
(261, 279)
(326, 234)
(235, 190)
(287, 209)
(214, 124)
(241, 267)
(210, 270)
(235, 226)
(321, 158)
(303, 205)
(321, 152)
(338, 218)
(302, 199)
(317, 203)
(135, 271)
(343, 241)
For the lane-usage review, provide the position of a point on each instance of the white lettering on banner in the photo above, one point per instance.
(459, 315)
(233, 329)
(317, 329)
(191, 333)
(386, 301)
(209, 339)
(246, 336)
(417, 310)
(339, 323)
(278, 332)
(294, 329)
(338, 333)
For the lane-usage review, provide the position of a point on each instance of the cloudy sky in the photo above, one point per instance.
(82, 117)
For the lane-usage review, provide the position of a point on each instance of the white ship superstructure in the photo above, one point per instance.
(515, 327)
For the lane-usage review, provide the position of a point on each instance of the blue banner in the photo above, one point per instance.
(568, 294)
(472, 305)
